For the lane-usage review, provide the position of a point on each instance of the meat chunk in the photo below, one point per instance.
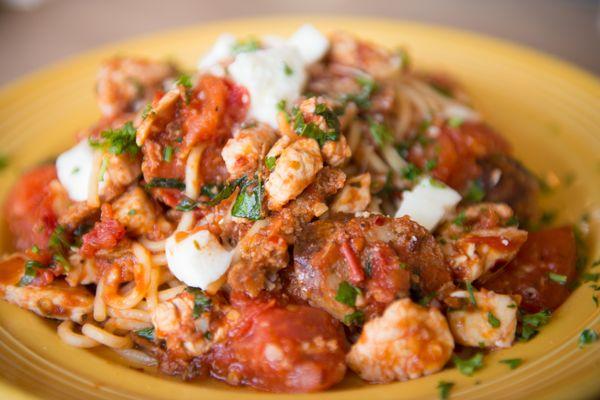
(506, 180)
(492, 322)
(377, 255)
(136, 211)
(551, 251)
(265, 251)
(336, 152)
(355, 196)
(375, 60)
(478, 240)
(281, 349)
(408, 341)
(244, 152)
(295, 169)
(33, 206)
(124, 84)
(105, 234)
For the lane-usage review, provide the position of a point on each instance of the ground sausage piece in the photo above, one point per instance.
(32, 207)
(376, 254)
(544, 252)
(282, 349)
(295, 169)
(408, 341)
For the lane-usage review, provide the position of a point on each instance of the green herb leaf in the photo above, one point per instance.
(475, 192)
(431, 164)
(246, 45)
(346, 294)
(512, 221)
(381, 134)
(493, 321)
(410, 172)
(117, 141)
(512, 363)
(187, 204)
(471, 294)
(455, 122)
(287, 70)
(311, 130)
(587, 336)
(562, 279)
(184, 80)
(147, 111)
(355, 318)
(202, 302)
(589, 277)
(59, 245)
(132, 212)
(460, 219)
(425, 300)
(363, 98)
(531, 322)
(211, 190)
(31, 269)
(166, 183)
(470, 365)
(35, 249)
(168, 153)
(270, 163)
(248, 203)
(226, 191)
(282, 105)
(444, 389)
(146, 333)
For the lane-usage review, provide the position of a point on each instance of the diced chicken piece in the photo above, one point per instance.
(136, 211)
(491, 323)
(380, 256)
(244, 152)
(125, 83)
(408, 341)
(174, 322)
(56, 300)
(295, 169)
(376, 60)
(265, 251)
(336, 152)
(478, 241)
(355, 196)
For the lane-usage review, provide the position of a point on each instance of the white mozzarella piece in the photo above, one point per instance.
(74, 169)
(428, 202)
(461, 112)
(197, 259)
(221, 50)
(311, 43)
(269, 75)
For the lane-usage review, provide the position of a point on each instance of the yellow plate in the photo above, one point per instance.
(548, 109)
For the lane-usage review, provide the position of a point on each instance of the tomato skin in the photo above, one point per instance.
(551, 250)
(29, 208)
(278, 349)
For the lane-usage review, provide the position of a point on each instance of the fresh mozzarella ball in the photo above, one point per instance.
(221, 50)
(269, 75)
(74, 169)
(311, 43)
(492, 323)
(428, 202)
(196, 258)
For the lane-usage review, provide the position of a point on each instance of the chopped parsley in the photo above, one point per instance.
(166, 183)
(287, 69)
(380, 132)
(355, 318)
(410, 172)
(444, 388)
(270, 163)
(282, 105)
(471, 294)
(558, 278)
(146, 333)
(59, 245)
(35, 249)
(431, 164)
(184, 80)
(493, 321)
(245, 45)
(168, 153)
(117, 141)
(362, 99)
(202, 302)
(455, 122)
(475, 192)
(460, 219)
(512, 363)
(468, 366)
(248, 203)
(587, 336)
(531, 322)
(347, 293)
(31, 269)
(312, 130)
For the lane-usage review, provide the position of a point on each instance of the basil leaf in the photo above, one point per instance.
(346, 294)
(187, 204)
(226, 191)
(166, 183)
(475, 192)
(355, 318)
(59, 245)
(202, 302)
(248, 203)
(493, 321)
(31, 269)
(146, 333)
(312, 130)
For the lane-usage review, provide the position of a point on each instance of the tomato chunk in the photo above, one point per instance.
(29, 208)
(282, 349)
(551, 251)
(105, 234)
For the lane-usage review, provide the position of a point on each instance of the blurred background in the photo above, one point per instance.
(34, 33)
